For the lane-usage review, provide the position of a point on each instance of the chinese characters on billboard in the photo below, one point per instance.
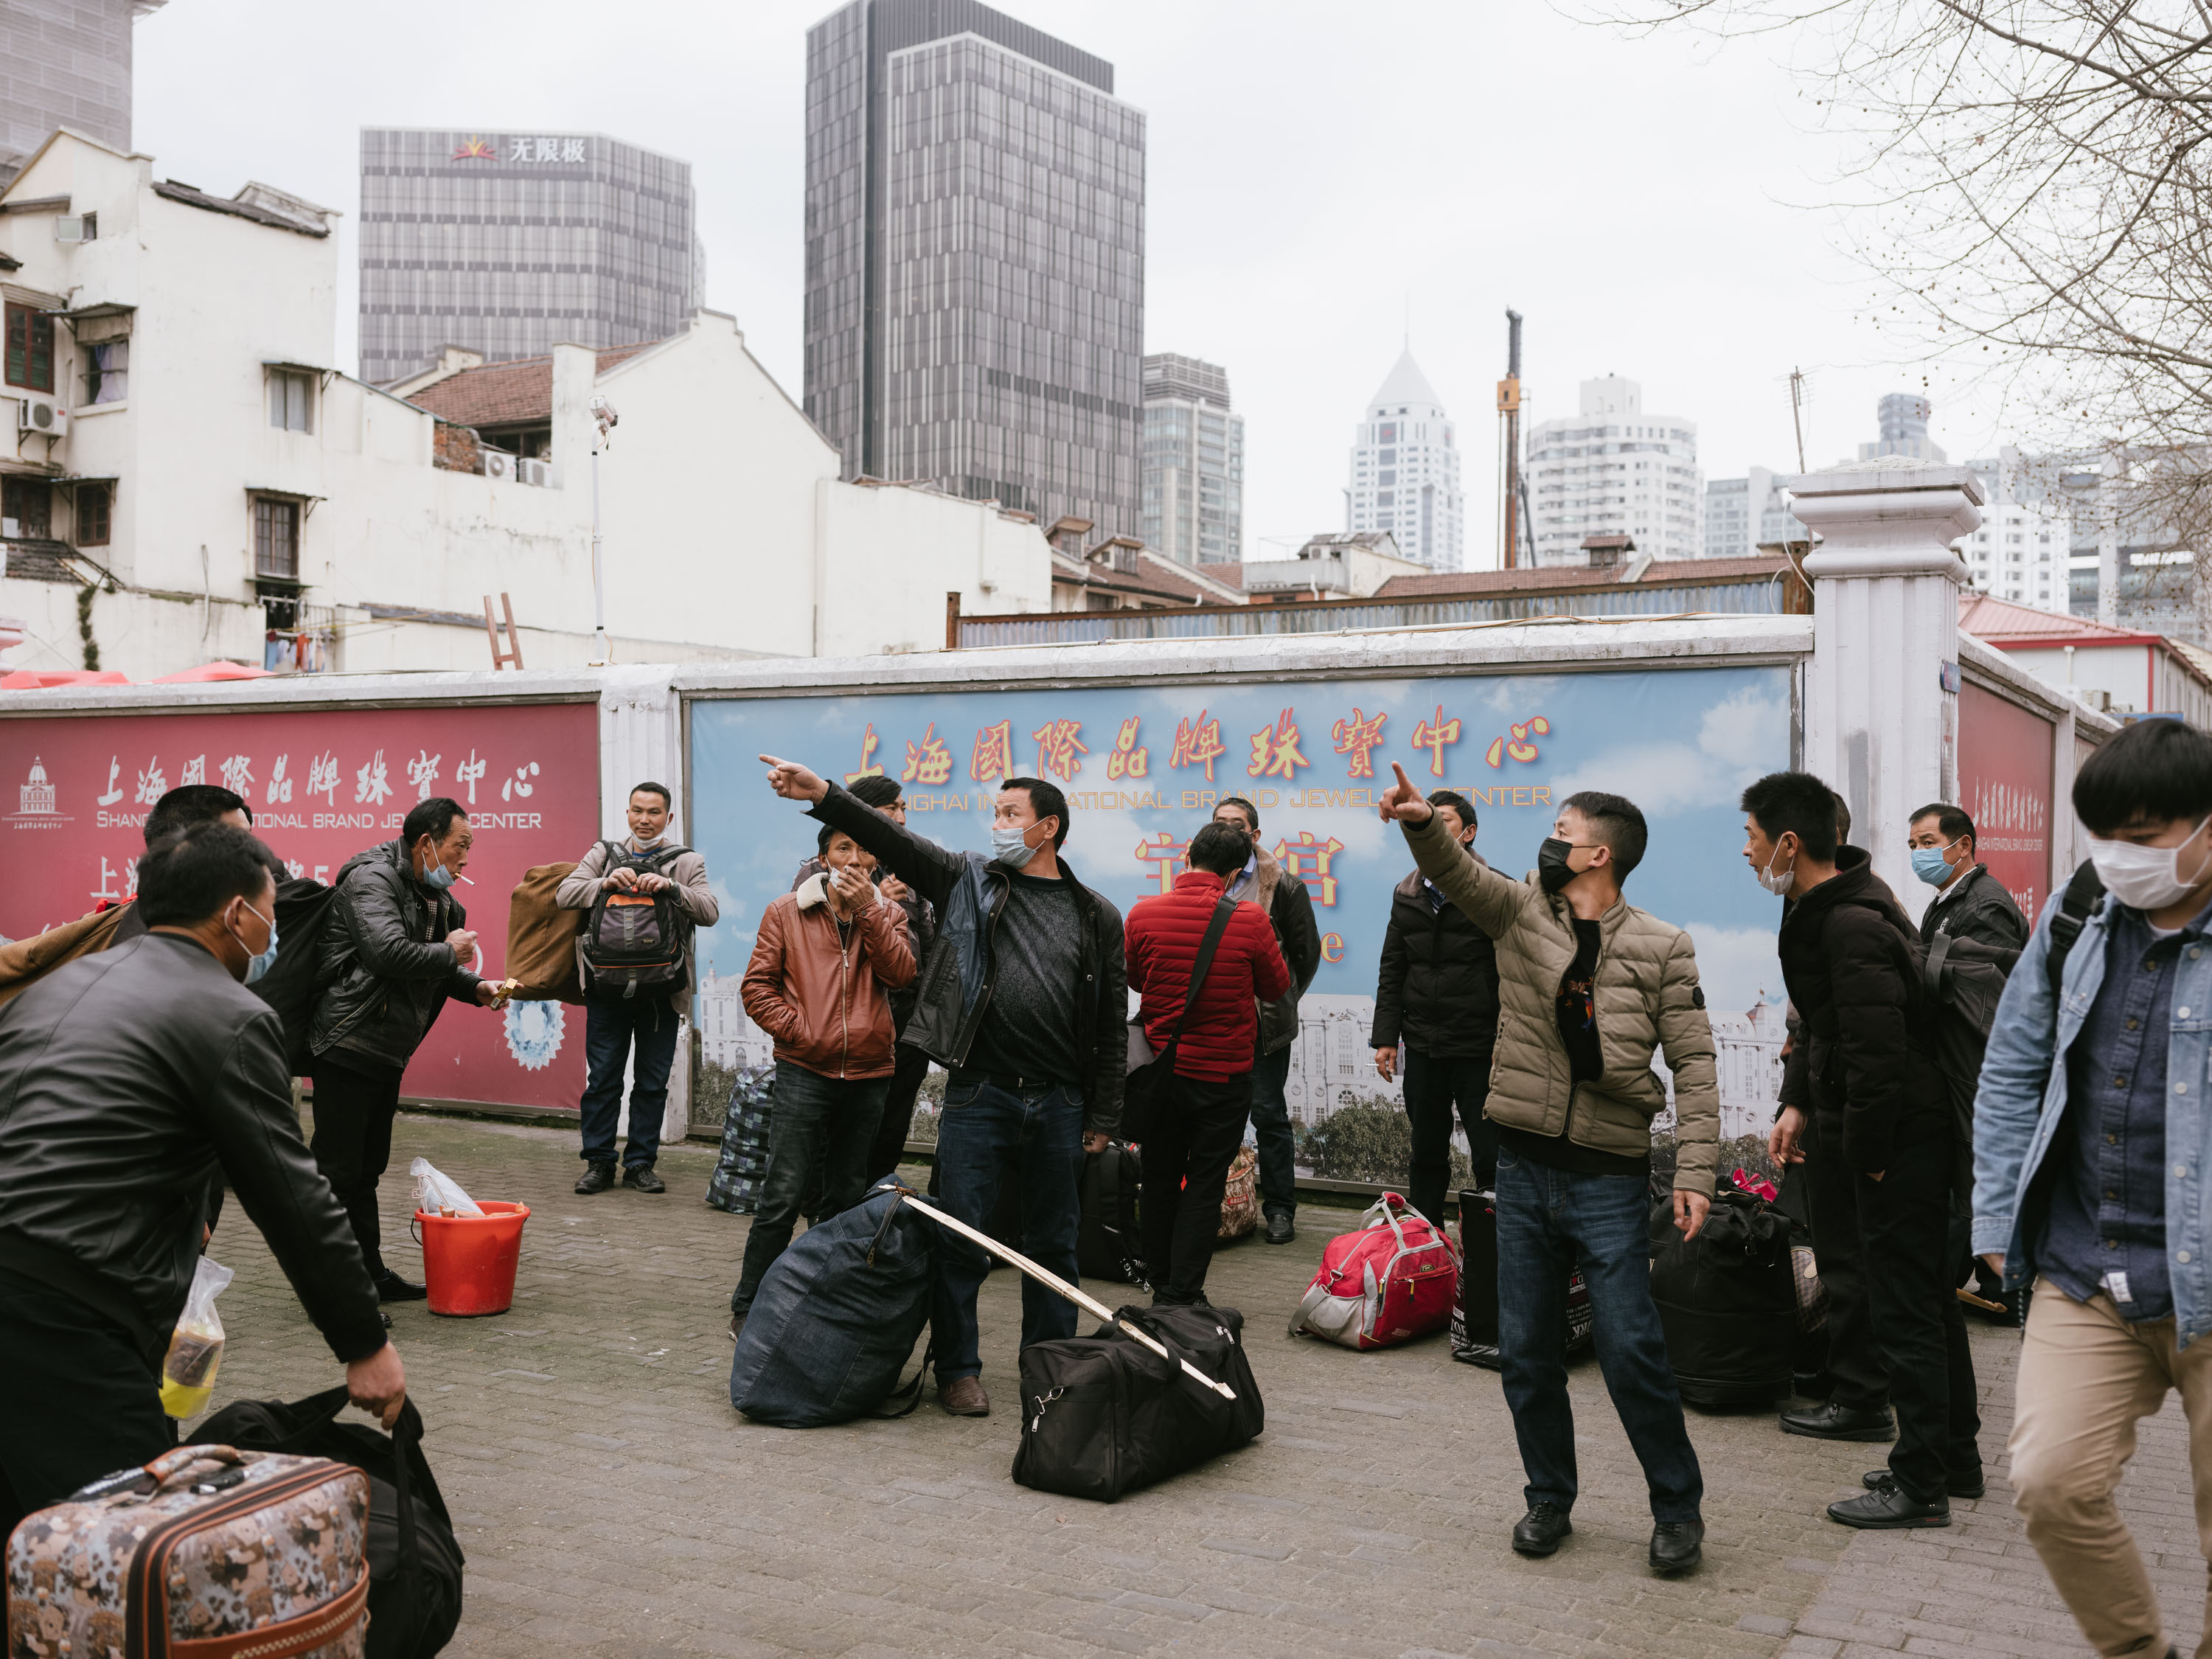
(2005, 766)
(323, 784)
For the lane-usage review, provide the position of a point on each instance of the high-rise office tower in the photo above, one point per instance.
(974, 258)
(1193, 463)
(511, 243)
(64, 64)
(1904, 419)
(1404, 470)
(1744, 514)
(1613, 469)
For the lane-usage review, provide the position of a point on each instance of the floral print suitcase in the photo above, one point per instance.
(207, 1553)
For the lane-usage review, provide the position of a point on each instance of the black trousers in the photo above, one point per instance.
(1898, 1229)
(354, 1107)
(1434, 1087)
(1196, 1130)
(889, 1147)
(1854, 1360)
(77, 1399)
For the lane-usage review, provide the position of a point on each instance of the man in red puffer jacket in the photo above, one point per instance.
(1199, 1119)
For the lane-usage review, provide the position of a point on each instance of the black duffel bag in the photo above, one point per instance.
(1107, 1243)
(415, 1562)
(1103, 1414)
(1727, 1301)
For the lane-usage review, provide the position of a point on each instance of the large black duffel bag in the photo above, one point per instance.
(1103, 1414)
(1727, 1301)
(415, 1562)
(1474, 1316)
(836, 1317)
(1107, 1244)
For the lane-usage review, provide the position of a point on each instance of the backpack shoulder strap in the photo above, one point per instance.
(1198, 969)
(2081, 896)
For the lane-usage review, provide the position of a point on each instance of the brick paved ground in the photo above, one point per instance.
(612, 1503)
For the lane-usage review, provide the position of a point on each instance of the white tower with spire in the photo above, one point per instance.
(1404, 470)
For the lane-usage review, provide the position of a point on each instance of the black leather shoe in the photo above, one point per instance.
(1677, 1545)
(641, 1176)
(1958, 1485)
(1539, 1532)
(596, 1178)
(1834, 1422)
(391, 1287)
(1281, 1230)
(1890, 1506)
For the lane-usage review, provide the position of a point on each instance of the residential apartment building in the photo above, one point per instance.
(975, 307)
(184, 476)
(1194, 473)
(1405, 472)
(1745, 514)
(1614, 470)
(507, 243)
(64, 64)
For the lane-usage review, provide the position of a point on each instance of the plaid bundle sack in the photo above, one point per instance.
(735, 1185)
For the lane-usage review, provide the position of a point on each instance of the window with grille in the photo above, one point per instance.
(275, 538)
(30, 348)
(95, 511)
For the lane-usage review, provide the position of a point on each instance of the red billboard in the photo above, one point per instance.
(323, 784)
(2005, 764)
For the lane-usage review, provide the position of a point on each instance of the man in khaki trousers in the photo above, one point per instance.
(2091, 1146)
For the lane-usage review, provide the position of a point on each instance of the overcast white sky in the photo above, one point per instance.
(1317, 173)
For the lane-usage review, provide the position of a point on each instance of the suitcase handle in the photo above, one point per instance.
(173, 1463)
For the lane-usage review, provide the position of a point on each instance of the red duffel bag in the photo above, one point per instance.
(1394, 1278)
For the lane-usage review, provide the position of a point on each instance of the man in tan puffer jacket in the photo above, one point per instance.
(1588, 986)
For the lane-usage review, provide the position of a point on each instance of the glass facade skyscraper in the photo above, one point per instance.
(974, 260)
(509, 243)
(1193, 502)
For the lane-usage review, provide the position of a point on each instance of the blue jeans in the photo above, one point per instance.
(1271, 1133)
(819, 1126)
(983, 1132)
(1433, 1088)
(609, 1027)
(1550, 1221)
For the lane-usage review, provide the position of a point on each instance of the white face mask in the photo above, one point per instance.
(2147, 877)
(1778, 886)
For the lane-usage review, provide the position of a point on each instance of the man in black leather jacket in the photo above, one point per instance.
(395, 949)
(129, 1080)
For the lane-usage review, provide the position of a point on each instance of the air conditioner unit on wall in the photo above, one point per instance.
(539, 473)
(42, 415)
(498, 463)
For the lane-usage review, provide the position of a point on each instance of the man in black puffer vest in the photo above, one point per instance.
(1852, 959)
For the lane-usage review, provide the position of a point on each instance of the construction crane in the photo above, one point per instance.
(1513, 492)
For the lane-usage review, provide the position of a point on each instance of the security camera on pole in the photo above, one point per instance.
(603, 414)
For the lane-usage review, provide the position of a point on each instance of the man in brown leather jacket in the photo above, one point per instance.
(828, 954)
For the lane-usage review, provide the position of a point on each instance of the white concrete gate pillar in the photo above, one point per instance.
(1882, 692)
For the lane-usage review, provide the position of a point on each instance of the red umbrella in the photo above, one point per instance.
(213, 670)
(30, 679)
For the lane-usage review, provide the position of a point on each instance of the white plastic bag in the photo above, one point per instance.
(438, 1194)
(195, 1346)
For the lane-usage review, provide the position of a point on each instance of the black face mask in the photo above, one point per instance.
(1552, 870)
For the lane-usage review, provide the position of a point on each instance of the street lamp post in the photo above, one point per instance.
(604, 418)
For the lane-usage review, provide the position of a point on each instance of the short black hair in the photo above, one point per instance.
(829, 832)
(659, 789)
(1617, 822)
(2151, 770)
(1249, 810)
(1220, 850)
(1458, 803)
(875, 790)
(190, 874)
(1796, 803)
(1843, 818)
(432, 817)
(192, 803)
(1951, 822)
(1045, 800)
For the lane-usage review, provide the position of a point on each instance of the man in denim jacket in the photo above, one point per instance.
(2090, 1146)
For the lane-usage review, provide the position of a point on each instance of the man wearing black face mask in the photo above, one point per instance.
(1588, 986)
(394, 951)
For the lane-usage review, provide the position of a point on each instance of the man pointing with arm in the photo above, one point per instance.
(1588, 985)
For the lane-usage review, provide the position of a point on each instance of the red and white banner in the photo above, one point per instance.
(2005, 780)
(323, 784)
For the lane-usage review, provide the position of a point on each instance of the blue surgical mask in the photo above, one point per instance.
(438, 877)
(1009, 846)
(258, 965)
(1930, 865)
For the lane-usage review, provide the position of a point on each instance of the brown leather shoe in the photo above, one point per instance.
(963, 1396)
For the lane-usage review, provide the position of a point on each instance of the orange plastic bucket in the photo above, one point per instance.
(468, 1261)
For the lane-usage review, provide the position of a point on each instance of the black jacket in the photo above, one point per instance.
(386, 969)
(1977, 908)
(1291, 913)
(127, 1079)
(968, 890)
(1437, 989)
(1851, 958)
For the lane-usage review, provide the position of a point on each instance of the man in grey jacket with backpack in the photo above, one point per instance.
(634, 968)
